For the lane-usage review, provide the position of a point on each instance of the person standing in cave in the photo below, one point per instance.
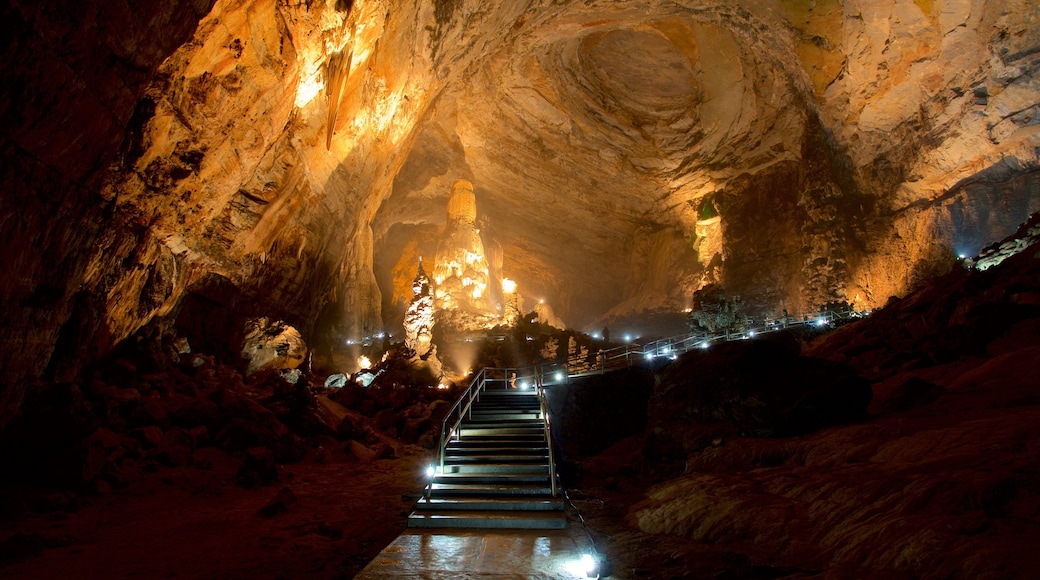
(512, 380)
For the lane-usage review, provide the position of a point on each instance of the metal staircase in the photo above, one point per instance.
(495, 468)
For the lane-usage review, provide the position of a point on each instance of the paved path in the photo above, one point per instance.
(479, 554)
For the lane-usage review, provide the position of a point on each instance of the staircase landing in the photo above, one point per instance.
(479, 555)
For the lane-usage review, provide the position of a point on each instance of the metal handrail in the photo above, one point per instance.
(543, 404)
(626, 355)
(471, 394)
(508, 377)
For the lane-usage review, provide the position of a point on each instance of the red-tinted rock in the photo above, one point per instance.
(176, 447)
(257, 469)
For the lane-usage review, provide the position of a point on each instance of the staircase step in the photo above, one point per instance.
(451, 476)
(511, 441)
(504, 416)
(514, 422)
(499, 468)
(486, 520)
(496, 490)
(476, 447)
(466, 431)
(519, 456)
(489, 504)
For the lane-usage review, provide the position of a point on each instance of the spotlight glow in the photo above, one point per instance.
(584, 567)
(523, 385)
(429, 471)
(704, 344)
(559, 376)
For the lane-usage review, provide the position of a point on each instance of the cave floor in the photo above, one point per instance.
(194, 523)
(480, 554)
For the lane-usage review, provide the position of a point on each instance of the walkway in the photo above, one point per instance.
(480, 554)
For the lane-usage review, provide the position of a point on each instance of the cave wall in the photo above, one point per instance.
(73, 73)
(275, 145)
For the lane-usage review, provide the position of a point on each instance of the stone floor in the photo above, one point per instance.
(480, 554)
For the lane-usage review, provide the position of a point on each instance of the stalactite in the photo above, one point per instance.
(337, 70)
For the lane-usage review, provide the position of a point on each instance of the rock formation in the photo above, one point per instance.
(461, 273)
(251, 158)
(272, 346)
(419, 318)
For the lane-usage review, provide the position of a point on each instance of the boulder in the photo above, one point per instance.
(336, 381)
(360, 451)
(272, 346)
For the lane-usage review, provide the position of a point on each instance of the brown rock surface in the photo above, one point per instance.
(252, 158)
(938, 481)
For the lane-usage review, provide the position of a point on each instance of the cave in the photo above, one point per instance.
(188, 183)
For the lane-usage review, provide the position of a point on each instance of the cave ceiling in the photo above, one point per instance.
(622, 153)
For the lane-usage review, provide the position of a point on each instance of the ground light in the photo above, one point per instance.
(585, 567)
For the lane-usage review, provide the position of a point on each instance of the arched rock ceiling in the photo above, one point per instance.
(843, 143)
(592, 131)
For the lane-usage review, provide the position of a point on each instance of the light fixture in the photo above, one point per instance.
(751, 333)
(559, 376)
(704, 344)
(523, 385)
(429, 471)
(649, 356)
(590, 566)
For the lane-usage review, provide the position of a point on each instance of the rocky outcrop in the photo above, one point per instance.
(757, 388)
(272, 346)
(936, 482)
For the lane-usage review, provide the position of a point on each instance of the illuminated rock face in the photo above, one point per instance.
(419, 318)
(461, 274)
(272, 346)
(850, 149)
